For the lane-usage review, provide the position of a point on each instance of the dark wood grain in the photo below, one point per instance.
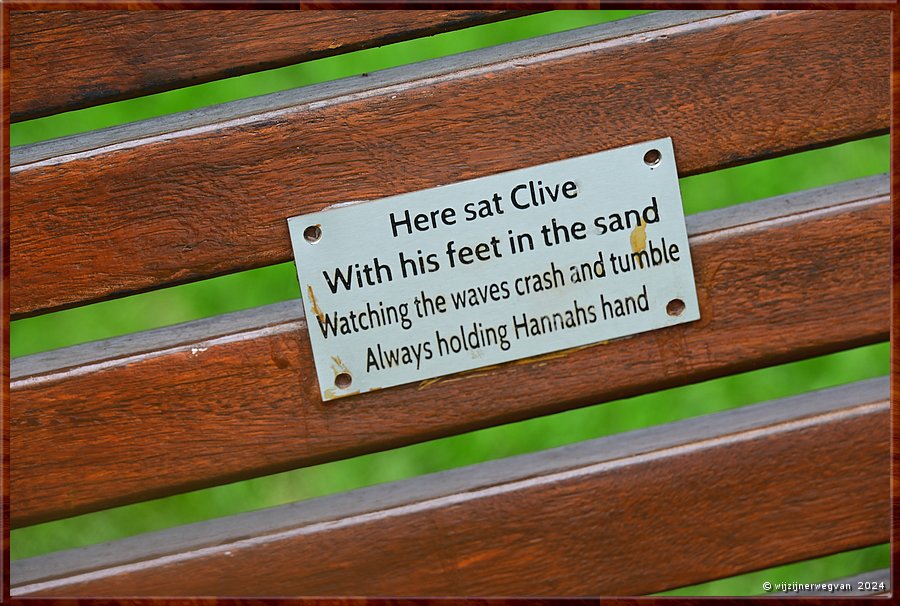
(65, 60)
(4, 306)
(191, 196)
(895, 304)
(236, 397)
(634, 513)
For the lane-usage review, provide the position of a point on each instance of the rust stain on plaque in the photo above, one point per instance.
(639, 237)
(314, 306)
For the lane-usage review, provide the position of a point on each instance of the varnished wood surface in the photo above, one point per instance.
(235, 397)
(634, 513)
(895, 301)
(65, 60)
(206, 193)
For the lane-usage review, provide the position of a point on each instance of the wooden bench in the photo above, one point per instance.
(191, 196)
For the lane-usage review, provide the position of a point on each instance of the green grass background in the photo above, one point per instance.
(278, 283)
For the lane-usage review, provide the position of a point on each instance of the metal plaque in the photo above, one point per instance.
(494, 269)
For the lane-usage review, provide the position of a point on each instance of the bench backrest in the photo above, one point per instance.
(195, 195)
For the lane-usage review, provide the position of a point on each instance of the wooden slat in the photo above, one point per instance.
(635, 513)
(206, 193)
(65, 60)
(235, 397)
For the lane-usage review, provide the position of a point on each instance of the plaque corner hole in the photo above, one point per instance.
(343, 380)
(312, 234)
(675, 307)
(652, 157)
